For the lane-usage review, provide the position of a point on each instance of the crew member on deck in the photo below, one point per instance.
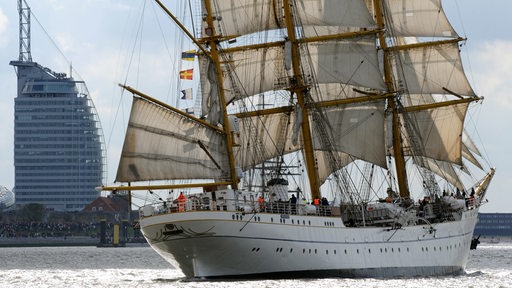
(261, 203)
(181, 202)
(293, 204)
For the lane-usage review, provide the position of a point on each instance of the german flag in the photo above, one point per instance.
(186, 74)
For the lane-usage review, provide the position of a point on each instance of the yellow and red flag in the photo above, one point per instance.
(186, 74)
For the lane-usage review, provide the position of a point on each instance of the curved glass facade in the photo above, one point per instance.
(58, 143)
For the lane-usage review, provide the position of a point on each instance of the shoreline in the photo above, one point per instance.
(60, 242)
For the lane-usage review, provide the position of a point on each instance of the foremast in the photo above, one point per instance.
(212, 39)
(392, 47)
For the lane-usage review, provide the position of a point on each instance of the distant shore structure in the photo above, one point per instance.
(6, 198)
(59, 151)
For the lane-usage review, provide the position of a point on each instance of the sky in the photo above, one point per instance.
(96, 38)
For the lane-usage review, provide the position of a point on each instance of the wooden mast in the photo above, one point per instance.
(212, 39)
(298, 88)
(393, 107)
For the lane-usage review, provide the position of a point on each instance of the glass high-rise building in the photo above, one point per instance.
(58, 142)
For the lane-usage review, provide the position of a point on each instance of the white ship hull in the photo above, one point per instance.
(230, 244)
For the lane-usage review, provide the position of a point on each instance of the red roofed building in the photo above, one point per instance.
(113, 204)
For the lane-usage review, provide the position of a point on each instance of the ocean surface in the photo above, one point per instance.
(489, 266)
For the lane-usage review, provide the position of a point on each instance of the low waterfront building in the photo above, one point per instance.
(494, 225)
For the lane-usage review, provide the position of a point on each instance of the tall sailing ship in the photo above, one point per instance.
(331, 142)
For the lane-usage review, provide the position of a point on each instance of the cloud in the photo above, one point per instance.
(4, 23)
(493, 71)
(491, 68)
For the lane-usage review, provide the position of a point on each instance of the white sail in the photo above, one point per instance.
(326, 165)
(443, 169)
(162, 145)
(352, 62)
(470, 144)
(437, 131)
(253, 71)
(432, 69)
(247, 16)
(418, 18)
(263, 138)
(468, 155)
(356, 129)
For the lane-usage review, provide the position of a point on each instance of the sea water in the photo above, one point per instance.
(489, 266)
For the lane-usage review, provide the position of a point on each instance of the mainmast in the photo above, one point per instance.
(299, 88)
(398, 154)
